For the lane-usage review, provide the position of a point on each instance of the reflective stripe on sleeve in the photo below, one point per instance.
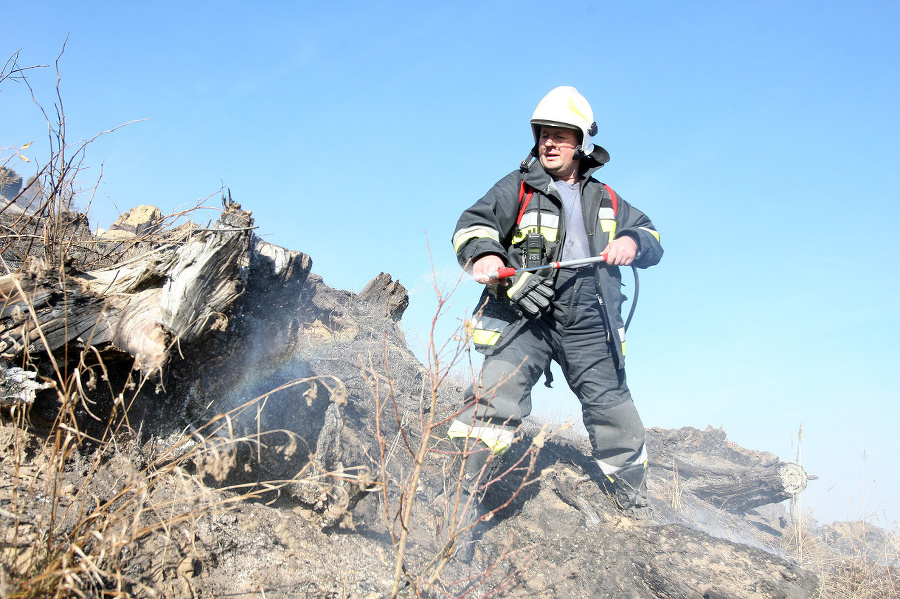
(478, 231)
(651, 231)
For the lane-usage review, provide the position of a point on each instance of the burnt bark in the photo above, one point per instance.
(721, 472)
(741, 491)
(169, 297)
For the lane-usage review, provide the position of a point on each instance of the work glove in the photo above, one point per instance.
(531, 292)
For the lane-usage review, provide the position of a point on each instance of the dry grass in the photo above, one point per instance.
(852, 559)
(859, 561)
(78, 507)
(675, 489)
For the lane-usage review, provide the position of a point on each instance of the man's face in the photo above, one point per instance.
(556, 151)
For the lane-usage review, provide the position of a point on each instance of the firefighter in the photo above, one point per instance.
(553, 209)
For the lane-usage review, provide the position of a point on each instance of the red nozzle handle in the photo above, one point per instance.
(505, 273)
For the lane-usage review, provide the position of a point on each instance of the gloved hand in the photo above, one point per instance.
(532, 292)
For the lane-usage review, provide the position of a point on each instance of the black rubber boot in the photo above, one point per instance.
(630, 489)
(480, 465)
(464, 508)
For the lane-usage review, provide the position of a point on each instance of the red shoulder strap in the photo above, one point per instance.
(613, 197)
(523, 205)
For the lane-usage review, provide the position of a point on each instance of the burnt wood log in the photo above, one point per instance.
(721, 472)
(750, 488)
(39, 313)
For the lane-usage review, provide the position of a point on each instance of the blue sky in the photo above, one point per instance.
(758, 136)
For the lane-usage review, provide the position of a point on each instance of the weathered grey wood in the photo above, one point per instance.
(137, 330)
(751, 488)
(268, 260)
(62, 315)
(18, 386)
(206, 280)
(721, 472)
(168, 297)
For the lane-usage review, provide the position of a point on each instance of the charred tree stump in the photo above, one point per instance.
(171, 295)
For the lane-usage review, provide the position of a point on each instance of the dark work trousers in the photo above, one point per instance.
(573, 333)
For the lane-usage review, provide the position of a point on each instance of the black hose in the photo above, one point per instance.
(637, 288)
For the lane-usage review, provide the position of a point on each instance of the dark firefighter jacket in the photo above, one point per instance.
(490, 227)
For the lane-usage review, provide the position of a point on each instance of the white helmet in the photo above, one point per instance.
(565, 107)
